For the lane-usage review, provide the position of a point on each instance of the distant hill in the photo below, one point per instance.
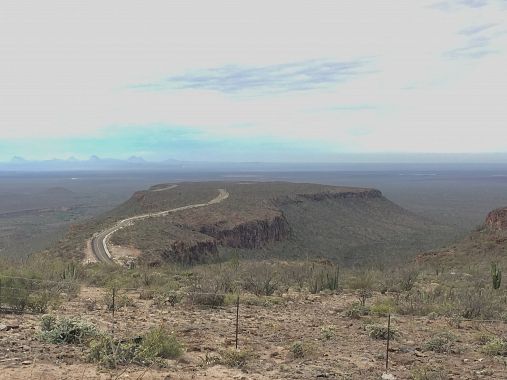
(272, 219)
(476, 252)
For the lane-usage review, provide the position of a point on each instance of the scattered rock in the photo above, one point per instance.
(4, 327)
(26, 362)
(388, 376)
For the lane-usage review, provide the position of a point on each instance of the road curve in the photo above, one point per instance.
(100, 239)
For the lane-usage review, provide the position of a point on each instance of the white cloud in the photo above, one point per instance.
(66, 69)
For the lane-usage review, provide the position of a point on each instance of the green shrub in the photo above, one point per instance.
(376, 331)
(110, 353)
(356, 311)
(41, 301)
(66, 331)
(297, 350)
(443, 342)
(159, 343)
(48, 322)
(146, 350)
(327, 332)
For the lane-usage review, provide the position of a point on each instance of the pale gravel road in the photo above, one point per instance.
(99, 240)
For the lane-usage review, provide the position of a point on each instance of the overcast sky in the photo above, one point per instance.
(251, 80)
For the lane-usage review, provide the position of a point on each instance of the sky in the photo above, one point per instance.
(251, 80)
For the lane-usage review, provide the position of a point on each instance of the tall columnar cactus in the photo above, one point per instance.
(496, 276)
(70, 272)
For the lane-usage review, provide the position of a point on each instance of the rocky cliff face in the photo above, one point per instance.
(252, 234)
(191, 252)
(497, 219)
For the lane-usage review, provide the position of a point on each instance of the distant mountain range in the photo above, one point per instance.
(93, 163)
(353, 162)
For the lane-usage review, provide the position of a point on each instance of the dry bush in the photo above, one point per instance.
(442, 343)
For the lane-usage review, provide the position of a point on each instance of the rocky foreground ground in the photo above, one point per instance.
(297, 336)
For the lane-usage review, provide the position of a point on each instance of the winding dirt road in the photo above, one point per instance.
(99, 240)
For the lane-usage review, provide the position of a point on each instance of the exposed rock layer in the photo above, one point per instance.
(253, 234)
(190, 252)
(497, 219)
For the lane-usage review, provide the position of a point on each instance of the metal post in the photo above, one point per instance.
(114, 307)
(388, 339)
(237, 321)
(1, 310)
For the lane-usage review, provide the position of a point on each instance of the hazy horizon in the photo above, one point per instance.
(262, 81)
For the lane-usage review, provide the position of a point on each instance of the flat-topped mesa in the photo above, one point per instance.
(329, 194)
(497, 219)
(359, 193)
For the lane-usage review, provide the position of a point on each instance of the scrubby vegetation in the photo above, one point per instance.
(443, 343)
(442, 296)
(377, 331)
(144, 350)
(66, 330)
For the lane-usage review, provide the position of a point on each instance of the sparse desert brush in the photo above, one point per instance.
(356, 311)
(172, 297)
(158, 342)
(147, 294)
(383, 307)
(120, 299)
(21, 294)
(66, 330)
(212, 300)
(298, 350)
(377, 331)
(301, 349)
(495, 347)
(402, 280)
(415, 303)
(145, 350)
(428, 373)
(261, 280)
(40, 302)
(479, 303)
(235, 358)
(442, 343)
(327, 332)
(483, 338)
(249, 299)
(363, 282)
(455, 321)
